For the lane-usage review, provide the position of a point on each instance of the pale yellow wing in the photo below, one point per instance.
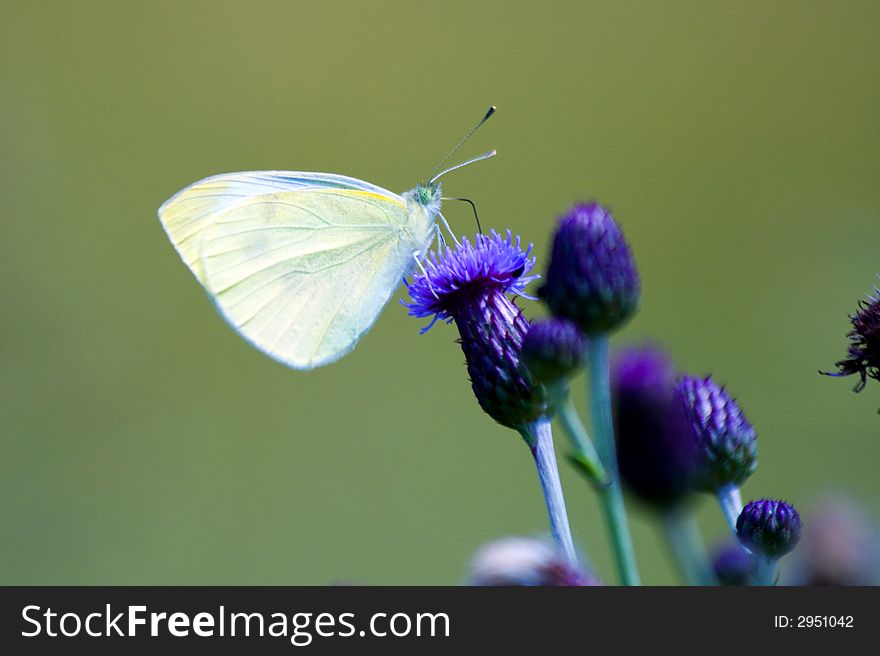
(190, 212)
(303, 274)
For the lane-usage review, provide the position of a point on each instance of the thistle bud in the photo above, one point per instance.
(727, 450)
(553, 350)
(769, 527)
(733, 565)
(655, 451)
(592, 277)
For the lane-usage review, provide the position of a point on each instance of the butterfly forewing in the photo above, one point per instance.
(187, 214)
(303, 274)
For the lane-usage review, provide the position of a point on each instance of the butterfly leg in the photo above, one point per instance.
(448, 229)
(436, 234)
(417, 255)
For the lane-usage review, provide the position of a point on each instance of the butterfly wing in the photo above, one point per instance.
(189, 213)
(303, 274)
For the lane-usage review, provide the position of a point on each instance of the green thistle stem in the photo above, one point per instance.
(731, 505)
(765, 570)
(611, 495)
(584, 454)
(539, 437)
(688, 548)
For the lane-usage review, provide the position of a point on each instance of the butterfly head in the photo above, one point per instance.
(428, 196)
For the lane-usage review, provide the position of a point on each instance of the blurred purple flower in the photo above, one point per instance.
(733, 565)
(840, 546)
(656, 454)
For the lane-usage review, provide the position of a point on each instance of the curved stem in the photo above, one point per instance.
(539, 437)
(611, 495)
(584, 456)
(731, 505)
(688, 548)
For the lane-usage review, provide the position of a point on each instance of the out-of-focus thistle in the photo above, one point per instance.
(472, 285)
(727, 448)
(521, 561)
(839, 546)
(655, 451)
(592, 280)
(769, 529)
(863, 355)
(733, 565)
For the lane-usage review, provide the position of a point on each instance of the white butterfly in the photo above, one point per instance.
(301, 264)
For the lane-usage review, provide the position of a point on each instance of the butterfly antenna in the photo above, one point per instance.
(474, 208)
(443, 161)
(478, 158)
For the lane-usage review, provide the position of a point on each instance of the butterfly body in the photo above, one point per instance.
(300, 264)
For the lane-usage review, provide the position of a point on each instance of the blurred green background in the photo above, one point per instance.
(143, 442)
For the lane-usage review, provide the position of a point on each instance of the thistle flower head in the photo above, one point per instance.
(733, 565)
(727, 450)
(655, 451)
(863, 355)
(471, 285)
(492, 264)
(520, 561)
(769, 527)
(592, 277)
(553, 349)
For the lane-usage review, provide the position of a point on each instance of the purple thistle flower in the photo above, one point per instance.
(863, 355)
(471, 285)
(592, 277)
(493, 263)
(727, 449)
(553, 349)
(769, 527)
(733, 565)
(656, 453)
